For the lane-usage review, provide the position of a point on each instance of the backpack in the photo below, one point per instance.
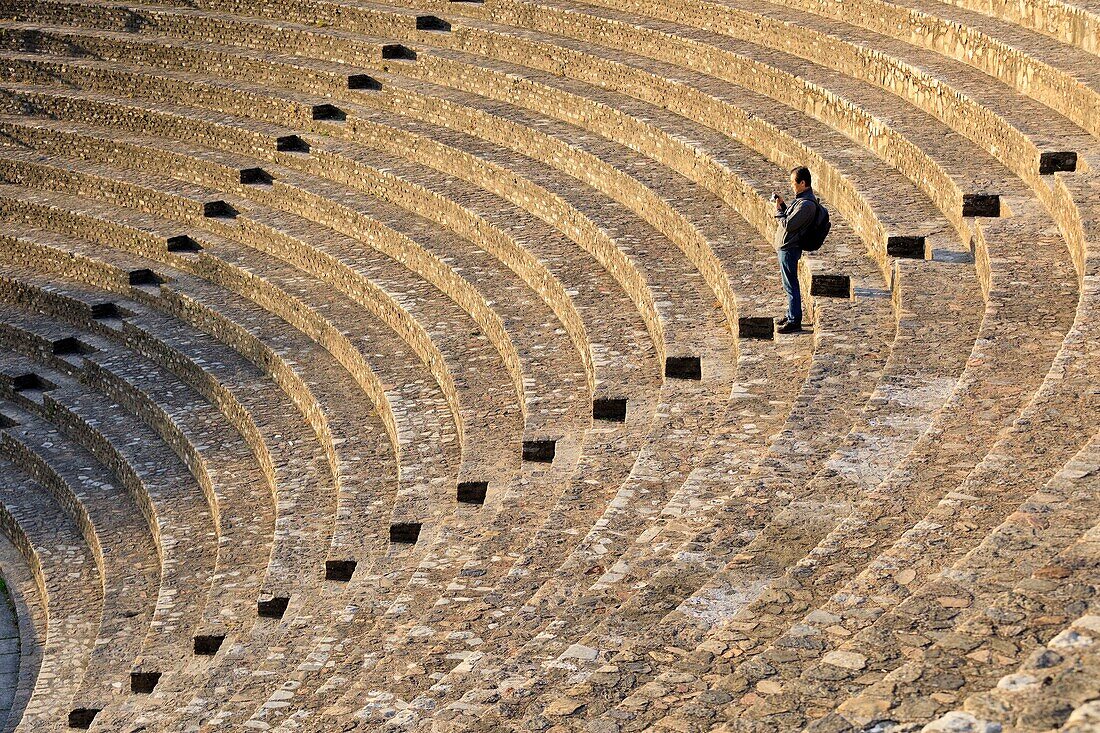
(817, 231)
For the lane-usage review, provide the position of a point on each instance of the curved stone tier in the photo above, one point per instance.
(411, 366)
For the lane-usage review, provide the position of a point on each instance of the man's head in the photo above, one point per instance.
(800, 179)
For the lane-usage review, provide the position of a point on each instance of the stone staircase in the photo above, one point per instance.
(411, 366)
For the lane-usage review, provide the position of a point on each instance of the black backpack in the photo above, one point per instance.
(817, 230)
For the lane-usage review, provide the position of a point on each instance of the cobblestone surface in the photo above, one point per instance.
(291, 291)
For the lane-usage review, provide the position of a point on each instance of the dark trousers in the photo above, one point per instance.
(788, 271)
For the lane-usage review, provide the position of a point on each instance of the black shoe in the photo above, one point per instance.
(783, 321)
(789, 327)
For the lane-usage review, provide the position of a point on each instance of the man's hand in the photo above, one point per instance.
(780, 204)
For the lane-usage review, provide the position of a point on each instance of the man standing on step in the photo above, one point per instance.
(794, 222)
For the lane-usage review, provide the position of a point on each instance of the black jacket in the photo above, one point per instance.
(795, 219)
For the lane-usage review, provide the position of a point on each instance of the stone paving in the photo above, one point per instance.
(410, 366)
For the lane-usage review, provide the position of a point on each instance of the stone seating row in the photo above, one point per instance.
(1070, 22)
(130, 569)
(179, 606)
(1057, 677)
(26, 606)
(273, 571)
(69, 586)
(976, 650)
(171, 394)
(182, 420)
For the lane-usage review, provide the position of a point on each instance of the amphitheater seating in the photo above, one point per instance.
(411, 366)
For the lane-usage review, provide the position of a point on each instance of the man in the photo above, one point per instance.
(794, 222)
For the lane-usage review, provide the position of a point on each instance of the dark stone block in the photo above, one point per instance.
(363, 81)
(981, 204)
(82, 717)
(291, 144)
(405, 533)
(182, 243)
(143, 683)
(340, 570)
(328, 113)
(272, 607)
(683, 367)
(611, 409)
(7, 422)
(218, 210)
(207, 645)
(70, 346)
(31, 381)
(146, 278)
(1057, 161)
(539, 451)
(831, 286)
(107, 310)
(398, 52)
(912, 248)
(756, 327)
(431, 23)
(472, 492)
(256, 177)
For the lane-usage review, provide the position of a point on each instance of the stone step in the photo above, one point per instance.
(478, 297)
(619, 229)
(971, 648)
(114, 530)
(803, 686)
(177, 282)
(184, 513)
(28, 606)
(221, 462)
(1070, 22)
(53, 548)
(894, 420)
